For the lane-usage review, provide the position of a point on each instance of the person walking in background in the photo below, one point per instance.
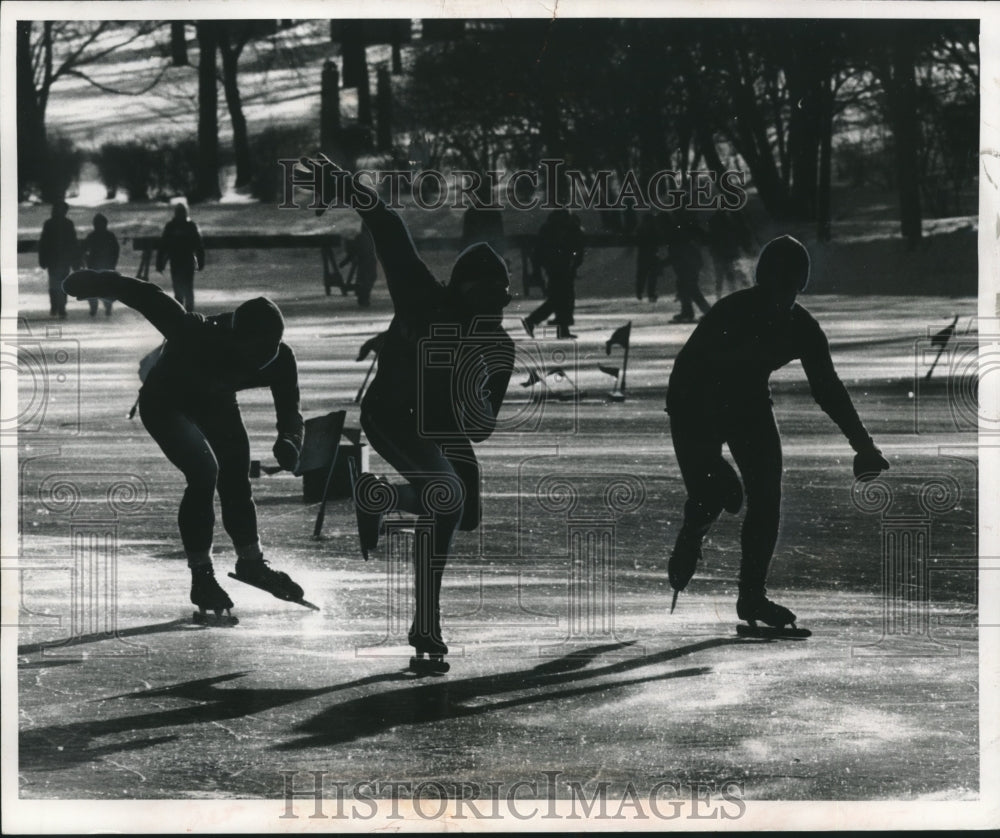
(58, 253)
(647, 262)
(181, 246)
(100, 252)
(559, 250)
(684, 240)
(728, 238)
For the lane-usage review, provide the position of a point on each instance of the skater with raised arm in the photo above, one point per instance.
(188, 405)
(718, 393)
(421, 415)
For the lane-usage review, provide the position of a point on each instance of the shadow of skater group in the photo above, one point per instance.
(423, 416)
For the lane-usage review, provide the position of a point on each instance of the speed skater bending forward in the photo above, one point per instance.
(188, 405)
(422, 416)
(718, 393)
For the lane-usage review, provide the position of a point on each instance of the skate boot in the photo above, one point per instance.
(780, 622)
(682, 563)
(258, 573)
(368, 491)
(430, 645)
(208, 595)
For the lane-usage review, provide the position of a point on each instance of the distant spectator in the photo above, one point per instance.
(59, 253)
(100, 252)
(648, 265)
(483, 224)
(363, 265)
(684, 240)
(559, 251)
(181, 246)
(728, 238)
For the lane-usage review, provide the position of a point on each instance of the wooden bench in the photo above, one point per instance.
(326, 242)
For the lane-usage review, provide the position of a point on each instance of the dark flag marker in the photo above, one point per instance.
(620, 337)
(940, 340)
(320, 447)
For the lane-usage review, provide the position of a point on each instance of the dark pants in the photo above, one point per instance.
(560, 300)
(647, 270)
(57, 297)
(183, 282)
(754, 442)
(689, 292)
(443, 478)
(209, 444)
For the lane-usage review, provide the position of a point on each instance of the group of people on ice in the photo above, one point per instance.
(425, 424)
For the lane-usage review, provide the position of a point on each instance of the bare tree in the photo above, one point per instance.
(51, 51)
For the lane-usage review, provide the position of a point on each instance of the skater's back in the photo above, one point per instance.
(725, 366)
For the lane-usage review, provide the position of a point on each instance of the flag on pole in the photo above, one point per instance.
(609, 370)
(620, 337)
(940, 341)
(941, 338)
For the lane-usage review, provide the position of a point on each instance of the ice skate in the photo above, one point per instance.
(210, 598)
(780, 622)
(364, 488)
(682, 563)
(430, 652)
(258, 573)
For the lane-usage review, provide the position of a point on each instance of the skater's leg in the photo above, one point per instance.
(441, 500)
(226, 433)
(223, 426)
(186, 446)
(699, 456)
(756, 447)
(463, 460)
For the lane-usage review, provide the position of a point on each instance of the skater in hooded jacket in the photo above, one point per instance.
(422, 413)
(188, 405)
(718, 393)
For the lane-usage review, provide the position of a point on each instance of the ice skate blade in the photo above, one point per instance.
(207, 618)
(431, 665)
(303, 602)
(772, 632)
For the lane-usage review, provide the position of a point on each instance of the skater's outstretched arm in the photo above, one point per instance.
(406, 275)
(829, 391)
(158, 307)
(282, 376)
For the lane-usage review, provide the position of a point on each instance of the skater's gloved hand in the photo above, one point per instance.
(286, 451)
(869, 463)
(89, 283)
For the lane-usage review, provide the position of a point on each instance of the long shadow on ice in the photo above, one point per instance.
(450, 698)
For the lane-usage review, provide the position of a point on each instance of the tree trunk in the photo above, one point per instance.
(178, 45)
(329, 109)
(31, 139)
(230, 84)
(383, 96)
(823, 197)
(902, 102)
(207, 187)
